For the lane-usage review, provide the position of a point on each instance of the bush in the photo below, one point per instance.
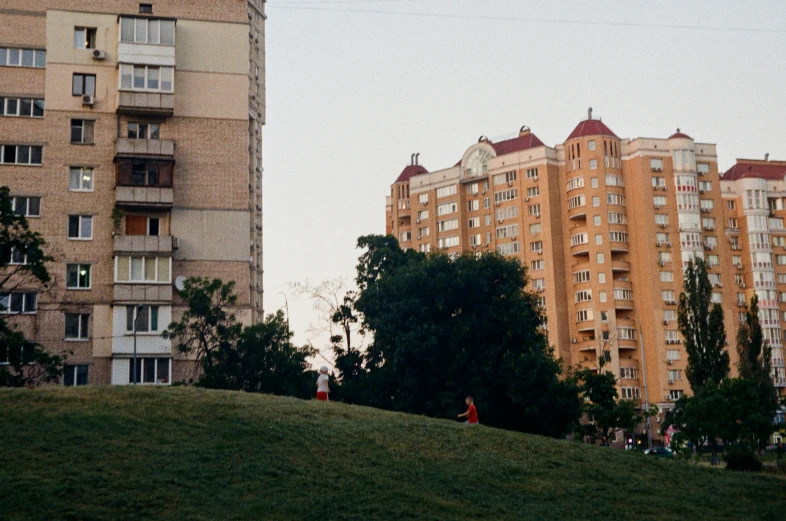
(742, 461)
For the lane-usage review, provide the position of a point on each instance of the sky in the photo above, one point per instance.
(354, 87)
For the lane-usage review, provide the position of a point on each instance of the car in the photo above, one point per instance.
(660, 452)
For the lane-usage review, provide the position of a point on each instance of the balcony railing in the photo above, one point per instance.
(144, 197)
(125, 292)
(145, 147)
(145, 244)
(145, 103)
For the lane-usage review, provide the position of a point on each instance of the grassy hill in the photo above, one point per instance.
(190, 454)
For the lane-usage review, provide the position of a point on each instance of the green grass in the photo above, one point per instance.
(191, 454)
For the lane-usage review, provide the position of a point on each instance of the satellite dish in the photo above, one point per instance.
(180, 282)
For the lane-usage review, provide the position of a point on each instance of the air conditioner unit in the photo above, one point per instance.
(497, 203)
(742, 284)
(658, 244)
(665, 322)
(510, 183)
(87, 99)
(175, 243)
(474, 246)
(668, 245)
(98, 54)
(669, 362)
(663, 226)
(417, 221)
(701, 192)
(663, 188)
(539, 252)
(501, 221)
(739, 266)
(574, 340)
(671, 382)
(526, 199)
(513, 238)
(484, 192)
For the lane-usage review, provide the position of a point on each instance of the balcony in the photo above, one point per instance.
(145, 103)
(160, 148)
(584, 327)
(623, 304)
(162, 244)
(144, 197)
(619, 247)
(620, 266)
(124, 292)
(627, 343)
(579, 212)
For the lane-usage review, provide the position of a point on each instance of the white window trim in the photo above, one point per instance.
(148, 282)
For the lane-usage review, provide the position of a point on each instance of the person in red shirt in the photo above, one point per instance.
(472, 414)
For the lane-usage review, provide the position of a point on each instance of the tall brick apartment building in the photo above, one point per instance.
(130, 136)
(604, 226)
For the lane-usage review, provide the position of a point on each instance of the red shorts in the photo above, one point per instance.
(322, 397)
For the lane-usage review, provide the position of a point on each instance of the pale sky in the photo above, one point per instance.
(350, 95)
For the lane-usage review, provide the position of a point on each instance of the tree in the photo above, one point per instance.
(22, 265)
(753, 396)
(207, 326)
(263, 360)
(701, 325)
(444, 328)
(605, 413)
(703, 417)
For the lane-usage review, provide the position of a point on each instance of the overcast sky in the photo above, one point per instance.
(350, 95)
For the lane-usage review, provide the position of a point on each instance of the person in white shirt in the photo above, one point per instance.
(322, 384)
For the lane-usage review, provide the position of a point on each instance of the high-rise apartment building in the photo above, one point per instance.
(130, 136)
(604, 226)
(754, 192)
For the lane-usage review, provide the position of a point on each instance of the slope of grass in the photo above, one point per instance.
(190, 454)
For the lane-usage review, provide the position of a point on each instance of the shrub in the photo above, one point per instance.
(742, 461)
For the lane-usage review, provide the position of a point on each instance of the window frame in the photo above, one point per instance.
(83, 125)
(83, 84)
(146, 78)
(80, 221)
(31, 149)
(147, 21)
(89, 276)
(89, 44)
(34, 102)
(7, 307)
(20, 51)
(83, 327)
(82, 170)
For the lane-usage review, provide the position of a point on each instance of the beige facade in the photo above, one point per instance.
(132, 140)
(604, 226)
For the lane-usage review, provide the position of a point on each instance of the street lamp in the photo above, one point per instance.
(139, 309)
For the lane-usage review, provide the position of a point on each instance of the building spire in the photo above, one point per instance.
(589, 113)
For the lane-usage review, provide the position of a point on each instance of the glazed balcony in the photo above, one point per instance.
(144, 197)
(136, 244)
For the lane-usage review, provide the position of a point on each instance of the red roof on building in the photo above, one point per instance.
(591, 127)
(678, 135)
(411, 171)
(528, 140)
(770, 170)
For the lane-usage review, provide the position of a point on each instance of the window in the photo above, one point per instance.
(536, 265)
(74, 375)
(630, 393)
(422, 198)
(472, 189)
(666, 276)
(146, 77)
(616, 199)
(581, 276)
(507, 195)
(82, 130)
(658, 182)
(78, 276)
(536, 247)
(80, 227)
(598, 239)
(601, 278)
(584, 295)
(539, 284)
(667, 296)
(486, 202)
(629, 373)
(617, 218)
(533, 210)
(614, 180)
(656, 164)
(705, 186)
(703, 168)
(509, 212)
(675, 395)
(142, 269)
(533, 191)
(731, 205)
(593, 164)
(447, 208)
(532, 173)
(84, 85)
(18, 302)
(448, 242)
(474, 222)
(659, 201)
(21, 155)
(153, 131)
(509, 248)
(661, 219)
(22, 107)
(675, 375)
(76, 326)
(579, 239)
(575, 202)
(146, 319)
(15, 57)
(405, 236)
(672, 337)
(599, 258)
(573, 184)
(27, 206)
(596, 220)
(511, 230)
(584, 315)
(535, 229)
(80, 179)
(507, 177)
(594, 182)
(664, 257)
(618, 237)
(84, 38)
(425, 248)
(450, 224)
(145, 30)
(707, 204)
(473, 206)
(422, 215)
(623, 294)
(595, 201)
(146, 174)
(150, 370)
(146, 8)
(591, 144)
(487, 219)
(672, 354)
(446, 191)
(422, 232)
(669, 315)
(475, 240)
